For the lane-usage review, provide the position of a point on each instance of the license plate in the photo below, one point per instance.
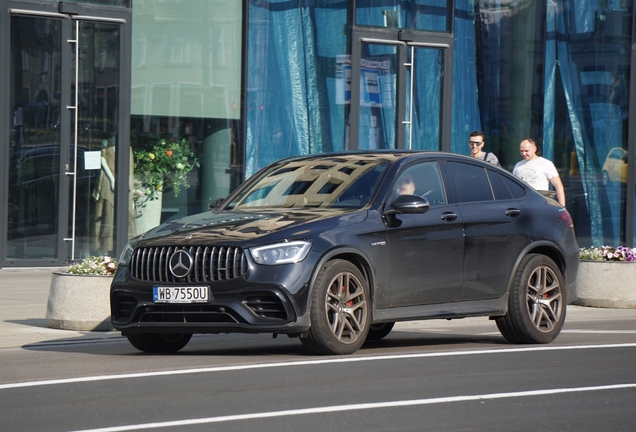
(180, 294)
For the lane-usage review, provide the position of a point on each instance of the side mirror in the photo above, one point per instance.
(409, 204)
(214, 204)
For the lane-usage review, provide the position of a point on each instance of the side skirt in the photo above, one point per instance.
(494, 307)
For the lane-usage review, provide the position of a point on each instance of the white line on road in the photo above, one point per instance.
(357, 407)
(574, 331)
(307, 363)
(583, 331)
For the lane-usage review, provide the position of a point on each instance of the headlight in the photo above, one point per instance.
(281, 253)
(126, 254)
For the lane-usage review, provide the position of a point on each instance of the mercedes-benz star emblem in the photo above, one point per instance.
(180, 263)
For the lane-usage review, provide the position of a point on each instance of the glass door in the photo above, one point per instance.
(401, 99)
(65, 129)
(423, 114)
(94, 126)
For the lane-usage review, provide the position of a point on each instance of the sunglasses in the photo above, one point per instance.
(475, 143)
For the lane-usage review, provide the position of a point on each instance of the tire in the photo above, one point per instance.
(379, 331)
(340, 310)
(159, 342)
(536, 304)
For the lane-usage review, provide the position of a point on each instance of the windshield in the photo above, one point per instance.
(346, 181)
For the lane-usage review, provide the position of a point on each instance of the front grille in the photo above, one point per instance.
(209, 264)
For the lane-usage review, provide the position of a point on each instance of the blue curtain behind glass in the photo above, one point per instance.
(465, 115)
(291, 107)
(564, 20)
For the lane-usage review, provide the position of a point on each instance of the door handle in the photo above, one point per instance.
(513, 212)
(448, 216)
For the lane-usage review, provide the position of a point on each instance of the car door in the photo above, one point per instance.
(495, 227)
(425, 250)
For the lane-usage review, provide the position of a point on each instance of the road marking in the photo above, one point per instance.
(583, 331)
(358, 407)
(347, 359)
(573, 331)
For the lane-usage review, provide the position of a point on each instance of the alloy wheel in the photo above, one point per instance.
(544, 299)
(346, 307)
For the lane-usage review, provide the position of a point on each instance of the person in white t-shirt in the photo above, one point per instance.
(538, 171)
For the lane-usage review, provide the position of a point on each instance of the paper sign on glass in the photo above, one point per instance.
(92, 160)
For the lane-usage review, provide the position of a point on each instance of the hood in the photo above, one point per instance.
(239, 226)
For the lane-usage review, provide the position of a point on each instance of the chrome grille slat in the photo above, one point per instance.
(220, 266)
(212, 266)
(197, 267)
(209, 263)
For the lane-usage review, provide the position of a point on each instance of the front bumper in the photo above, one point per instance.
(236, 306)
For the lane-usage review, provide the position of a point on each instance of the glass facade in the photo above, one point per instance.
(432, 15)
(185, 106)
(63, 108)
(221, 89)
(557, 72)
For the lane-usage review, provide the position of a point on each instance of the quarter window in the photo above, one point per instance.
(515, 189)
(500, 190)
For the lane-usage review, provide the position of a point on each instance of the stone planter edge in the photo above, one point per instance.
(79, 302)
(606, 284)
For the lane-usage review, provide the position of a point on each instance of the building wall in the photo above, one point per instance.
(221, 89)
(554, 71)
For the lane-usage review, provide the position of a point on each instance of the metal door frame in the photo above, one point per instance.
(403, 39)
(71, 15)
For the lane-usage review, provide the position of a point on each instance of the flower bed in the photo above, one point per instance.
(608, 253)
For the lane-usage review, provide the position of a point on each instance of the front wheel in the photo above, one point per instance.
(340, 310)
(159, 342)
(537, 302)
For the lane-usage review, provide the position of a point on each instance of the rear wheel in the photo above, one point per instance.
(379, 331)
(159, 342)
(340, 310)
(537, 303)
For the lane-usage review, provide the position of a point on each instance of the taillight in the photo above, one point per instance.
(565, 217)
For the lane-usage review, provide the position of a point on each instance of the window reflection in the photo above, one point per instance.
(568, 87)
(430, 15)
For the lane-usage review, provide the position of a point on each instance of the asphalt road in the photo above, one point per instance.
(433, 375)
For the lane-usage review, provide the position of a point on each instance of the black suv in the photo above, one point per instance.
(336, 248)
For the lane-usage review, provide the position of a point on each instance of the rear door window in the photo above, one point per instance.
(470, 182)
